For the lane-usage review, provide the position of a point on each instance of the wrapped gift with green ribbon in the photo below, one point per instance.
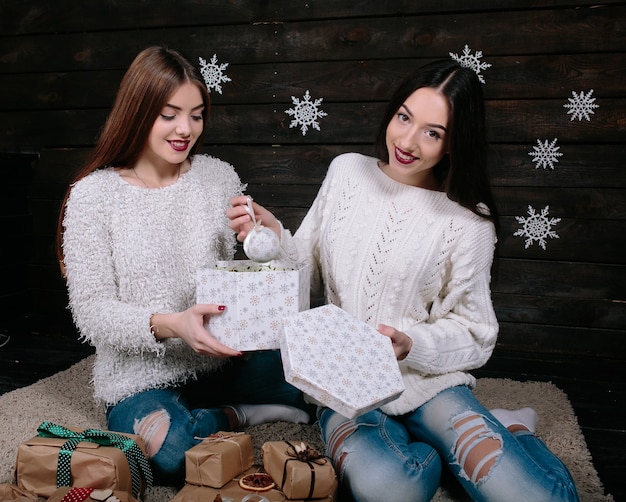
(59, 456)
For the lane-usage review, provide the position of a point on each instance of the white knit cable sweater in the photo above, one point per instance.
(131, 252)
(407, 257)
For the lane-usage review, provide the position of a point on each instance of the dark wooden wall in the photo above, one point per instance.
(61, 63)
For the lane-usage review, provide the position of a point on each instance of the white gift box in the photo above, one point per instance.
(257, 297)
(340, 361)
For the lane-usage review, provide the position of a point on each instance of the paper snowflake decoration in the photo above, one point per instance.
(305, 113)
(472, 61)
(545, 154)
(537, 227)
(213, 73)
(581, 105)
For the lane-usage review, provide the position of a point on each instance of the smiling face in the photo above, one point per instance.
(177, 128)
(416, 138)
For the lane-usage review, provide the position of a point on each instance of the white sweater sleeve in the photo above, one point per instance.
(461, 331)
(100, 315)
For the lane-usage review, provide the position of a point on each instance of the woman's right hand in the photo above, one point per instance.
(241, 222)
(189, 327)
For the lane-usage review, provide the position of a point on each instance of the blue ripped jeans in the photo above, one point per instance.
(194, 410)
(380, 457)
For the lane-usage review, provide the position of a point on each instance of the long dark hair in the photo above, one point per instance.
(151, 79)
(463, 171)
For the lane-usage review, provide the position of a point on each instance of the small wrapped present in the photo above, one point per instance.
(232, 492)
(60, 457)
(340, 361)
(257, 297)
(299, 470)
(218, 459)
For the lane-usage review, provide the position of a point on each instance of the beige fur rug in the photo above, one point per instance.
(65, 398)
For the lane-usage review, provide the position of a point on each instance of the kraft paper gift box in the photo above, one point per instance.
(90, 464)
(218, 459)
(299, 470)
(232, 492)
(339, 361)
(257, 297)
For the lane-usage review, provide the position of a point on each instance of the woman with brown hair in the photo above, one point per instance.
(142, 216)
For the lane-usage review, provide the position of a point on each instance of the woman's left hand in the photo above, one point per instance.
(402, 343)
(241, 221)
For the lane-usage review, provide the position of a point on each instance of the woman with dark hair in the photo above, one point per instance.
(405, 242)
(142, 216)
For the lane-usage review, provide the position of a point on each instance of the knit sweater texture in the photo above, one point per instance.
(390, 253)
(131, 252)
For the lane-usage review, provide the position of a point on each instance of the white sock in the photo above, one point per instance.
(524, 416)
(255, 414)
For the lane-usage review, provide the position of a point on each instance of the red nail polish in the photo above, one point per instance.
(221, 307)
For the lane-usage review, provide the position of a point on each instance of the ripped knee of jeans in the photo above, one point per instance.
(153, 429)
(335, 445)
(477, 448)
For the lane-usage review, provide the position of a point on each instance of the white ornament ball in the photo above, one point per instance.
(261, 244)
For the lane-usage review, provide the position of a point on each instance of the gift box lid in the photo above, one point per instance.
(340, 361)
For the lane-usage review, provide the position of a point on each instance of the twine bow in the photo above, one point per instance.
(303, 453)
(136, 459)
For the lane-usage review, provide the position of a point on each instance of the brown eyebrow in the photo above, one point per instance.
(168, 105)
(434, 126)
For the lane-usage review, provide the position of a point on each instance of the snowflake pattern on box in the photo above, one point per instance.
(213, 73)
(581, 106)
(537, 227)
(545, 154)
(257, 297)
(469, 60)
(306, 113)
(340, 361)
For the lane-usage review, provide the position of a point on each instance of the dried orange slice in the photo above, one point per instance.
(257, 482)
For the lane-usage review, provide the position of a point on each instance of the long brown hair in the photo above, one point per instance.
(151, 79)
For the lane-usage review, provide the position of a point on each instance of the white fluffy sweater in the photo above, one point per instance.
(407, 257)
(131, 252)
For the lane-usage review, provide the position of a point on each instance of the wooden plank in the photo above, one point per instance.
(563, 31)
(16, 225)
(562, 311)
(40, 16)
(584, 166)
(580, 203)
(593, 241)
(568, 340)
(522, 77)
(559, 279)
(531, 120)
(544, 367)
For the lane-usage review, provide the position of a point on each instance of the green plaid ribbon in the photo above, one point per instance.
(137, 461)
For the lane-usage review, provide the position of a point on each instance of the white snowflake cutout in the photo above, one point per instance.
(472, 61)
(306, 113)
(213, 73)
(537, 227)
(545, 154)
(581, 105)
